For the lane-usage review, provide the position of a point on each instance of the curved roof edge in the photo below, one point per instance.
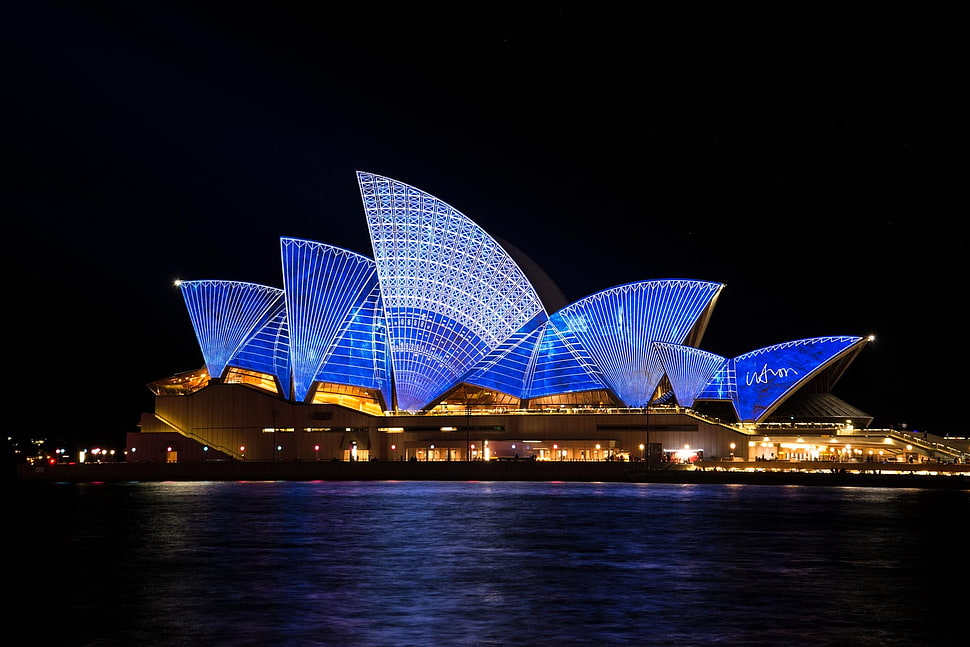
(769, 376)
(549, 293)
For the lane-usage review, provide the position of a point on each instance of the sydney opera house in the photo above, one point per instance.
(450, 344)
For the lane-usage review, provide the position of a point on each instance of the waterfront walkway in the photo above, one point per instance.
(752, 472)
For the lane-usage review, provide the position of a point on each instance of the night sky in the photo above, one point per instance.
(811, 158)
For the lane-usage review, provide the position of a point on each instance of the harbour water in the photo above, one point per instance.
(426, 563)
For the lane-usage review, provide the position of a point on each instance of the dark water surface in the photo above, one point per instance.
(446, 563)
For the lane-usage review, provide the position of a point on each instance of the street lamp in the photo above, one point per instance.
(647, 425)
(468, 426)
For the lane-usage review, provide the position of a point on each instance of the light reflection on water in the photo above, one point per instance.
(443, 563)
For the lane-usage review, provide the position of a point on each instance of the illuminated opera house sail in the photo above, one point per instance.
(442, 306)
(443, 319)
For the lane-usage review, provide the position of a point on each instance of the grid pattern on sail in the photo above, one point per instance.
(767, 375)
(443, 300)
(324, 286)
(225, 315)
(562, 365)
(506, 367)
(268, 351)
(723, 386)
(618, 327)
(451, 293)
(359, 356)
(689, 369)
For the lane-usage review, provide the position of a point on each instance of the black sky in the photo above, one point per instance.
(813, 158)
